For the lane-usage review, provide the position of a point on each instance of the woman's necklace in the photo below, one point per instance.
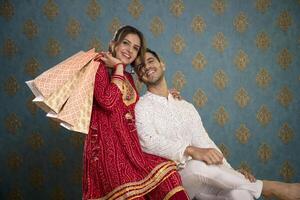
(128, 93)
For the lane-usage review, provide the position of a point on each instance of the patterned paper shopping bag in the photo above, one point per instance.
(65, 91)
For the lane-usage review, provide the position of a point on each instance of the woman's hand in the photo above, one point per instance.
(175, 94)
(108, 59)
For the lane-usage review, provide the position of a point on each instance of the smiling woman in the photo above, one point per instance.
(128, 49)
(115, 167)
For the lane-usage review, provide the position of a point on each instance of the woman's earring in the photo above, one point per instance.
(112, 48)
(132, 70)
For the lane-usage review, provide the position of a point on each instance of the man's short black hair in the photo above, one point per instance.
(137, 67)
(153, 53)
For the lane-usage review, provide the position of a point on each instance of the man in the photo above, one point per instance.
(173, 129)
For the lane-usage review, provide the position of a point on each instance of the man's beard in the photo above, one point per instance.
(156, 81)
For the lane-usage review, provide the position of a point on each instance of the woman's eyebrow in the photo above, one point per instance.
(136, 45)
(127, 40)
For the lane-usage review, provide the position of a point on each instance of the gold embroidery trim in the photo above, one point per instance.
(128, 94)
(159, 173)
(145, 190)
(147, 185)
(173, 191)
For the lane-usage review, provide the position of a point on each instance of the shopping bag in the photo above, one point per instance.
(65, 91)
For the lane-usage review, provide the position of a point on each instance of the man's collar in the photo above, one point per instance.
(158, 97)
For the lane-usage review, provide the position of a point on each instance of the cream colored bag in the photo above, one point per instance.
(65, 91)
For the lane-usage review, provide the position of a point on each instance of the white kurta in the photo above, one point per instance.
(166, 127)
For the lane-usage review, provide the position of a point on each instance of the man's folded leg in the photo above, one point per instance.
(197, 174)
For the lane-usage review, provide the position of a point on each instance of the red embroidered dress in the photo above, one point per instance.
(114, 165)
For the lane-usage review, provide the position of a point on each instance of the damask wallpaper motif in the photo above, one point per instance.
(237, 61)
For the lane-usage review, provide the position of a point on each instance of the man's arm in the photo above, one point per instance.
(202, 145)
(155, 143)
(210, 156)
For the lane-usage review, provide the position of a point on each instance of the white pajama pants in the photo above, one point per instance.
(217, 182)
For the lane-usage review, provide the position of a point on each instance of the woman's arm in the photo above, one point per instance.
(106, 92)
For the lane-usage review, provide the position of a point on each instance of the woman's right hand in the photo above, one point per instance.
(98, 56)
(108, 59)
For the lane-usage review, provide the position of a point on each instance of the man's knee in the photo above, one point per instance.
(201, 169)
(239, 194)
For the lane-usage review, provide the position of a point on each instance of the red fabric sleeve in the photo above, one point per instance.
(106, 93)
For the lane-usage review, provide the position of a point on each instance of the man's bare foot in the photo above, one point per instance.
(280, 190)
(293, 191)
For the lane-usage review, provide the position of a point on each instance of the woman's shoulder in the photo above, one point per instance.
(100, 64)
(102, 67)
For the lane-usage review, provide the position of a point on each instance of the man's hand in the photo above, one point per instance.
(247, 175)
(175, 94)
(210, 156)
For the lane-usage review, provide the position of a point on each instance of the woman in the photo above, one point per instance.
(114, 165)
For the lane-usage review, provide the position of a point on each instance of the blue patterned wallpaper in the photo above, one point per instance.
(237, 61)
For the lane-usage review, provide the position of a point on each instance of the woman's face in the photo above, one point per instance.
(127, 50)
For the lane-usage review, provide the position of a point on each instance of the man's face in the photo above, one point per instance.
(153, 71)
